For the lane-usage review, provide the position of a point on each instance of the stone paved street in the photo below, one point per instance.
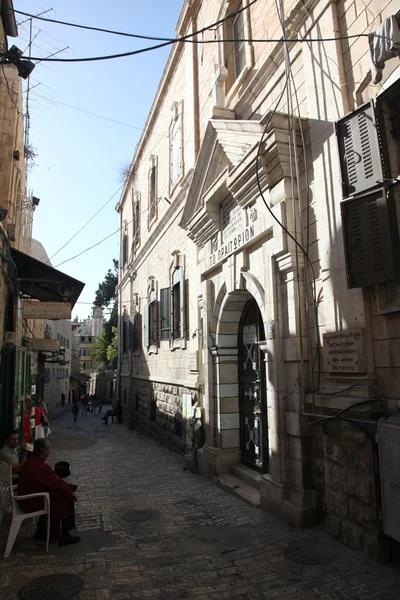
(153, 530)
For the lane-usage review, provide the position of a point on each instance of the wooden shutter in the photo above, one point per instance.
(146, 333)
(124, 329)
(370, 239)
(165, 313)
(187, 308)
(359, 151)
(131, 334)
(182, 303)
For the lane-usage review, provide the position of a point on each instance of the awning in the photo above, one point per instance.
(81, 377)
(43, 282)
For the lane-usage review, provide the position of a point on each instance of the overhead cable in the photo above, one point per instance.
(186, 38)
(155, 47)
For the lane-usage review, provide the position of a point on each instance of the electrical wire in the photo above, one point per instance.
(85, 225)
(147, 49)
(183, 38)
(354, 422)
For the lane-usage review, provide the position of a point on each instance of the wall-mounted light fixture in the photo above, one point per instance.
(24, 66)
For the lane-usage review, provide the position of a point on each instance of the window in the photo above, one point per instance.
(175, 143)
(134, 329)
(238, 46)
(165, 314)
(135, 220)
(124, 335)
(238, 54)
(123, 259)
(177, 312)
(152, 190)
(151, 318)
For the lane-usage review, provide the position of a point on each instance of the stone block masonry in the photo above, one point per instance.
(155, 409)
(350, 486)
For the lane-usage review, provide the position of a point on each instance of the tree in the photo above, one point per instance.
(104, 349)
(105, 293)
(99, 347)
(112, 350)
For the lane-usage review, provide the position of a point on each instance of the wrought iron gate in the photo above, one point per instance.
(252, 394)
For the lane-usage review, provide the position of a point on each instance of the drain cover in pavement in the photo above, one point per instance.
(140, 516)
(308, 554)
(52, 587)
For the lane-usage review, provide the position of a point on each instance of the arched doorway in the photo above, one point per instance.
(252, 389)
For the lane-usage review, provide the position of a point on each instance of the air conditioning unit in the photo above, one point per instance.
(9, 337)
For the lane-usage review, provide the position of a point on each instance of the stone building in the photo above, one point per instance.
(53, 371)
(258, 279)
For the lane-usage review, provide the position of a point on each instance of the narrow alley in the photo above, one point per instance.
(151, 529)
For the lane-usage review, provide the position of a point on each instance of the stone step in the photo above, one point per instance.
(251, 477)
(239, 488)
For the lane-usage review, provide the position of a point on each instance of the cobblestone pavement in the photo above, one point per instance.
(153, 530)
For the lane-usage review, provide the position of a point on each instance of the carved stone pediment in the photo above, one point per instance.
(226, 166)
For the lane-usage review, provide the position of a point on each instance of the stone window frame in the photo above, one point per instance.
(234, 80)
(152, 191)
(151, 322)
(176, 125)
(178, 262)
(135, 199)
(124, 252)
(135, 318)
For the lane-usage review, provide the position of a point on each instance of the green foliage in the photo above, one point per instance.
(112, 350)
(98, 352)
(104, 350)
(105, 293)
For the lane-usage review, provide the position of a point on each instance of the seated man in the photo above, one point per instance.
(9, 453)
(36, 476)
(110, 413)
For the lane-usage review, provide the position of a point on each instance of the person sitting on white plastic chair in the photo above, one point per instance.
(9, 453)
(37, 476)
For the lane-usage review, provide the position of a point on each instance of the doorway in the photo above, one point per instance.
(252, 390)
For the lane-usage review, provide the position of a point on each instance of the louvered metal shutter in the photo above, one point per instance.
(370, 239)
(165, 313)
(146, 333)
(359, 151)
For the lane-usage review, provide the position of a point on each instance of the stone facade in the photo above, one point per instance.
(215, 297)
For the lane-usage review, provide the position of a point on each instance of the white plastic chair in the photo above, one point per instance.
(9, 504)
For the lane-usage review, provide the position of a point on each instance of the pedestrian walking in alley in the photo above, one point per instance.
(95, 404)
(84, 404)
(36, 476)
(43, 406)
(75, 410)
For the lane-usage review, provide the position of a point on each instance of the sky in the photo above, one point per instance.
(80, 156)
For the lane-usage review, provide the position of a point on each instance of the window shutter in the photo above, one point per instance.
(131, 335)
(165, 313)
(146, 333)
(359, 150)
(121, 253)
(124, 327)
(125, 257)
(370, 240)
(182, 303)
(187, 308)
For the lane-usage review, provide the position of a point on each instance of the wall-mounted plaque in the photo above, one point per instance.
(344, 351)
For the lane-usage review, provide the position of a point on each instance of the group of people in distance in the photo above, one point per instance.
(32, 474)
(94, 405)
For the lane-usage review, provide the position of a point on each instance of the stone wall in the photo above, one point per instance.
(155, 409)
(345, 473)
